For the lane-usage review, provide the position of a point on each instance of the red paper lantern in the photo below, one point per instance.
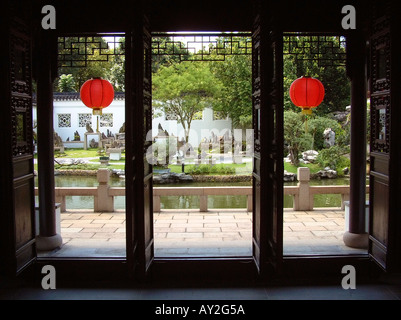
(97, 94)
(307, 93)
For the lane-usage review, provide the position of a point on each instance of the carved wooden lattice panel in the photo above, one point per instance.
(380, 177)
(380, 87)
(77, 52)
(380, 120)
(326, 50)
(256, 92)
(201, 46)
(21, 90)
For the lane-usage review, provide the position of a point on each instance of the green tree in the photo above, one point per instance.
(96, 65)
(296, 139)
(167, 52)
(183, 89)
(316, 127)
(66, 83)
(334, 158)
(235, 75)
(116, 74)
(333, 77)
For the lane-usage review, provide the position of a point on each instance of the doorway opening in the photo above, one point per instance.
(202, 152)
(89, 150)
(317, 148)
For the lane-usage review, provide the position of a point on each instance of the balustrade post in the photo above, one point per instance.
(203, 204)
(61, 200)
(344, 197)
(103, 202)
(156, 203)
(249, 206)
(304, 199)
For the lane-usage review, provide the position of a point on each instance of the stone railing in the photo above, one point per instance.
(303, 193)
(203, 193)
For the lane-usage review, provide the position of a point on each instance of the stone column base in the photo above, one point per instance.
(356, 240)
(48, 243)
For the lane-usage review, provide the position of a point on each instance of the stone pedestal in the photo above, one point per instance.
(46, 243)
(114, 153)
(356, 240)
(303, 200)
(98, 134)
(103, 201)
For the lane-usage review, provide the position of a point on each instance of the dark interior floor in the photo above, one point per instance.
(320, 292)
(387, 287)
(158, 302)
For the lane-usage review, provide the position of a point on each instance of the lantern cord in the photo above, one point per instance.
(306, 124)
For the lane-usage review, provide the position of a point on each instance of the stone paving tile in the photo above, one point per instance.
(107, 235)
(159, 235)
(104, 229)
(113, 225)
(90, 216)
(196, 230)
(158, 218)
(80, 222)
(221, 234)
(70, 230)
(243, 225)
(65, 224)
(89, 242)
(76, 235)
(168, 229)
(72, 216)
(96, 221)
(185, 235)
(121, 241)
(203, 229)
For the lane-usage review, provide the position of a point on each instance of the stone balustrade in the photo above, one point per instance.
(303, 193)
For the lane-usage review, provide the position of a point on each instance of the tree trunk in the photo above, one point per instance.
(294, 156)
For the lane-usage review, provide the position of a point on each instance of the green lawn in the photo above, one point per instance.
(81, 153)
(221, 168)
(313, 167)
(229, 168)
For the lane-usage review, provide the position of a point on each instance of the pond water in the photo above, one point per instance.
(190, 202)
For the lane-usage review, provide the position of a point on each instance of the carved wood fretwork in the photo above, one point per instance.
(21, 89)
(380, 86)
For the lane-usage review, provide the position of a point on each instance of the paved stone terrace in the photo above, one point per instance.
(222, 232)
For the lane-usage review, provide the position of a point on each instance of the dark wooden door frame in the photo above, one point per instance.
(163, 268)
(385, 172)
(17, 240)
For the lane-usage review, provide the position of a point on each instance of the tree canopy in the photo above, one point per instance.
(305, 62)
(235, 76)
(96, 65)
(186, 88)
(183, 90)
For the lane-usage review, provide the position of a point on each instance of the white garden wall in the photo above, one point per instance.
(71, 115)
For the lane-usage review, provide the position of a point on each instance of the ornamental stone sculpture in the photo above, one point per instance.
(329, 137)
